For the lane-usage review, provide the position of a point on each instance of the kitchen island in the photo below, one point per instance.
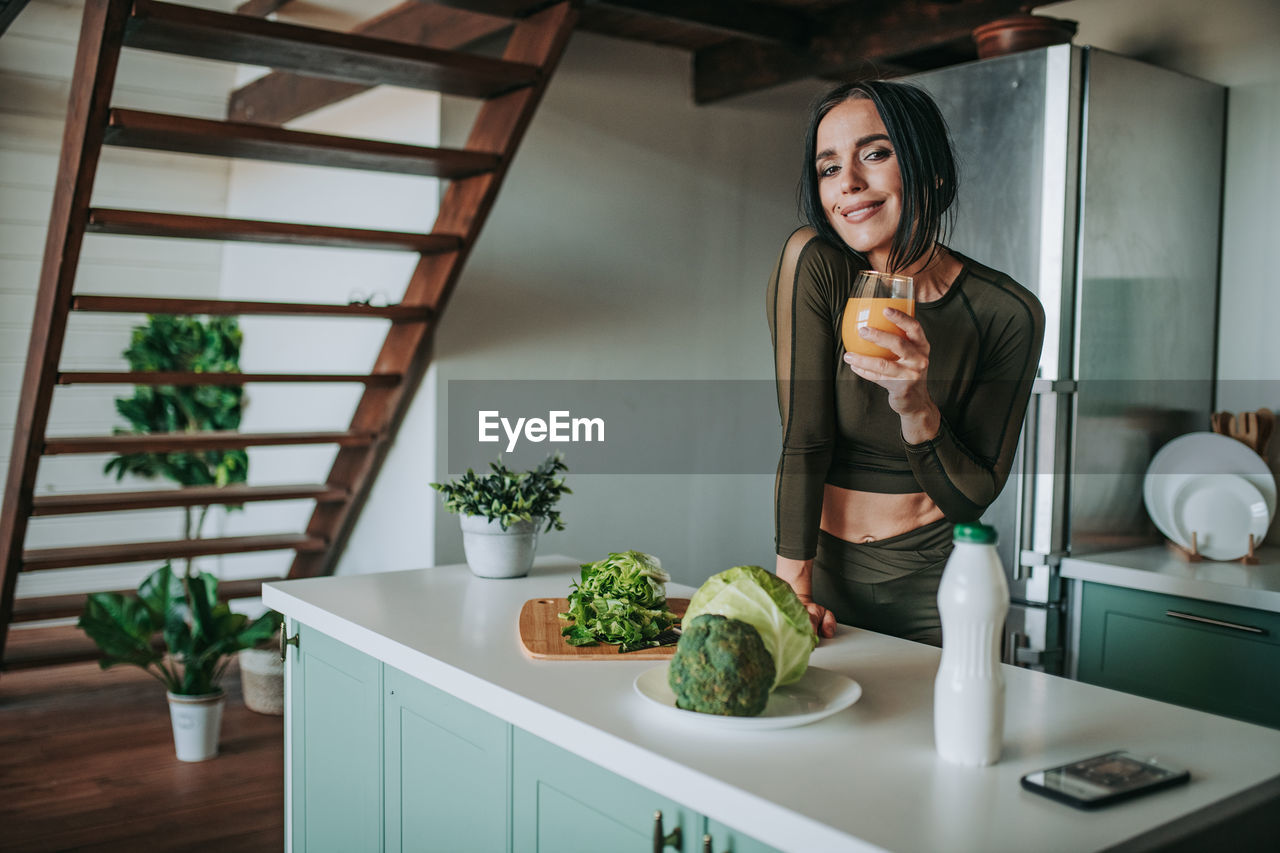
(866, 778)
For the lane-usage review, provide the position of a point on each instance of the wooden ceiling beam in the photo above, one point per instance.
(848, 41)
(260, 8)
(746, 20)
(741, 19)
(282, 96)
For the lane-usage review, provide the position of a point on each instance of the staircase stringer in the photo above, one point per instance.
(499, 127)
(97, 57)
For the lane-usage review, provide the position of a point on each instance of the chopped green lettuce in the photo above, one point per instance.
(767, 603)
(622, 600)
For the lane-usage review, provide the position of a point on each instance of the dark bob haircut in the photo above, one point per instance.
(926, 162)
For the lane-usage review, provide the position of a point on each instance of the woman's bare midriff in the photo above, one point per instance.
(870, 516)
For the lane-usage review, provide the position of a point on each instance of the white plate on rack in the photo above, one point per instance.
(1222, 510)
(1195, 454)
(817, 694)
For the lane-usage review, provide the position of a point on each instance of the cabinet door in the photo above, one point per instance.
(564, 804)
(1213, 657)
(447, 763)
(726, 840)
(335, 717)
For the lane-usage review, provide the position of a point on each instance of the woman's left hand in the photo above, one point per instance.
(906, 379)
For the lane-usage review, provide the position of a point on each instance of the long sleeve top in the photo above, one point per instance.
(984, 334)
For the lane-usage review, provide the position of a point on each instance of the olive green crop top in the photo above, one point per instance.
(984, 338)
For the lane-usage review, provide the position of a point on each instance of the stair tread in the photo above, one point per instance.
(71, 605)
(321, 53)
(28, 648)
(149, 223)
(210, 440)
(71, 503)
(169, 305)
(138, 129)
(40, 559)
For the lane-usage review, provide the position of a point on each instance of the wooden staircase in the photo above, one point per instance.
(511, 88)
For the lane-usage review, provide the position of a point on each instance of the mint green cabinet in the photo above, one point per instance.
(379, 760)
(1205, 655)
(447, 770)
(335, 746)
(565, 804)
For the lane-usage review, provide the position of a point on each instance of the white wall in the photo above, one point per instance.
(391, 533)
(37, 54)
(1235, 43)
(632, 239)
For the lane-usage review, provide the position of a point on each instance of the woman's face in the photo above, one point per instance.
(858, 179)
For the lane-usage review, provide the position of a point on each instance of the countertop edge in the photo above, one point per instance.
(1104, 569)
(768, 822)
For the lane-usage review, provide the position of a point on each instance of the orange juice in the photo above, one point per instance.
(869, 311)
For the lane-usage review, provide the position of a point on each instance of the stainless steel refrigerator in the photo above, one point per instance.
(1096, 181)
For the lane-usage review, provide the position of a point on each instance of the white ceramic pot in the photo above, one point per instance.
(262, 680)
(197, 722)
(496, 553)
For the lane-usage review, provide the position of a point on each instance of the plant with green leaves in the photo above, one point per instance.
(507, 496)
(184, 344)
(200, 633)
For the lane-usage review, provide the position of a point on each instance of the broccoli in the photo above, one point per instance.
(721, 667)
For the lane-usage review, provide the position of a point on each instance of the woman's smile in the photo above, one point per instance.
(860, 211)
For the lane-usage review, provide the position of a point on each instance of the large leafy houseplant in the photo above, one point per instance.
(200, 633)
(507, 496)
(184, 344)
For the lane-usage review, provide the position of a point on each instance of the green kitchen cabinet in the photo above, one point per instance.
(380, 760)
(1205, 655)
(565, 804)
(447, 770)
(335, 721)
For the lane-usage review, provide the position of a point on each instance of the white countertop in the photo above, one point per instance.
(866, 778)
(1159, 569)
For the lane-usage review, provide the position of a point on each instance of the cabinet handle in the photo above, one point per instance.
(287, 641)
(1191, 617)
(662, 841)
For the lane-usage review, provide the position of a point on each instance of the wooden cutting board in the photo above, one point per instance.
(540, 625)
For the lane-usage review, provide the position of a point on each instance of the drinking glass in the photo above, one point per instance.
(872, 293)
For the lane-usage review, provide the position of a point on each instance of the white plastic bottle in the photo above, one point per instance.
(968, 694)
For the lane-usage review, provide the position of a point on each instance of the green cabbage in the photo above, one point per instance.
(768, 604)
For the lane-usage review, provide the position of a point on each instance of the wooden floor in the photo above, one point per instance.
(87, 763)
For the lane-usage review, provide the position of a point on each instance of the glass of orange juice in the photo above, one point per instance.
(872, 293)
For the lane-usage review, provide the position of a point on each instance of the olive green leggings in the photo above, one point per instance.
(889, 586)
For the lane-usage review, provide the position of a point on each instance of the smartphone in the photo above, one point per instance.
(1104, 779)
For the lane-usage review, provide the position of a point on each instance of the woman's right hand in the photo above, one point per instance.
(823, 620)
(799, 574)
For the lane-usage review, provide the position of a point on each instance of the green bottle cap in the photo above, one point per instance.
(980, 534)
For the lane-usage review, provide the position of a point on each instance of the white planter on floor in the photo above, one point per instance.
(496, 553)
(197, 723)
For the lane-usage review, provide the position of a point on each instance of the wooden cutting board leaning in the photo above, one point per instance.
(540, 625)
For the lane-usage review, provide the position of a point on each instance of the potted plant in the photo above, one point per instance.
(199, 636)
(502, 512)
(185, 344)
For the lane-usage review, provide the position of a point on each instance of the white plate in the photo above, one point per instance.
(819, 693)
(1222, 510)
(1194, 454)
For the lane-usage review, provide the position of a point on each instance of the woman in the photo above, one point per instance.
(881, 457)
